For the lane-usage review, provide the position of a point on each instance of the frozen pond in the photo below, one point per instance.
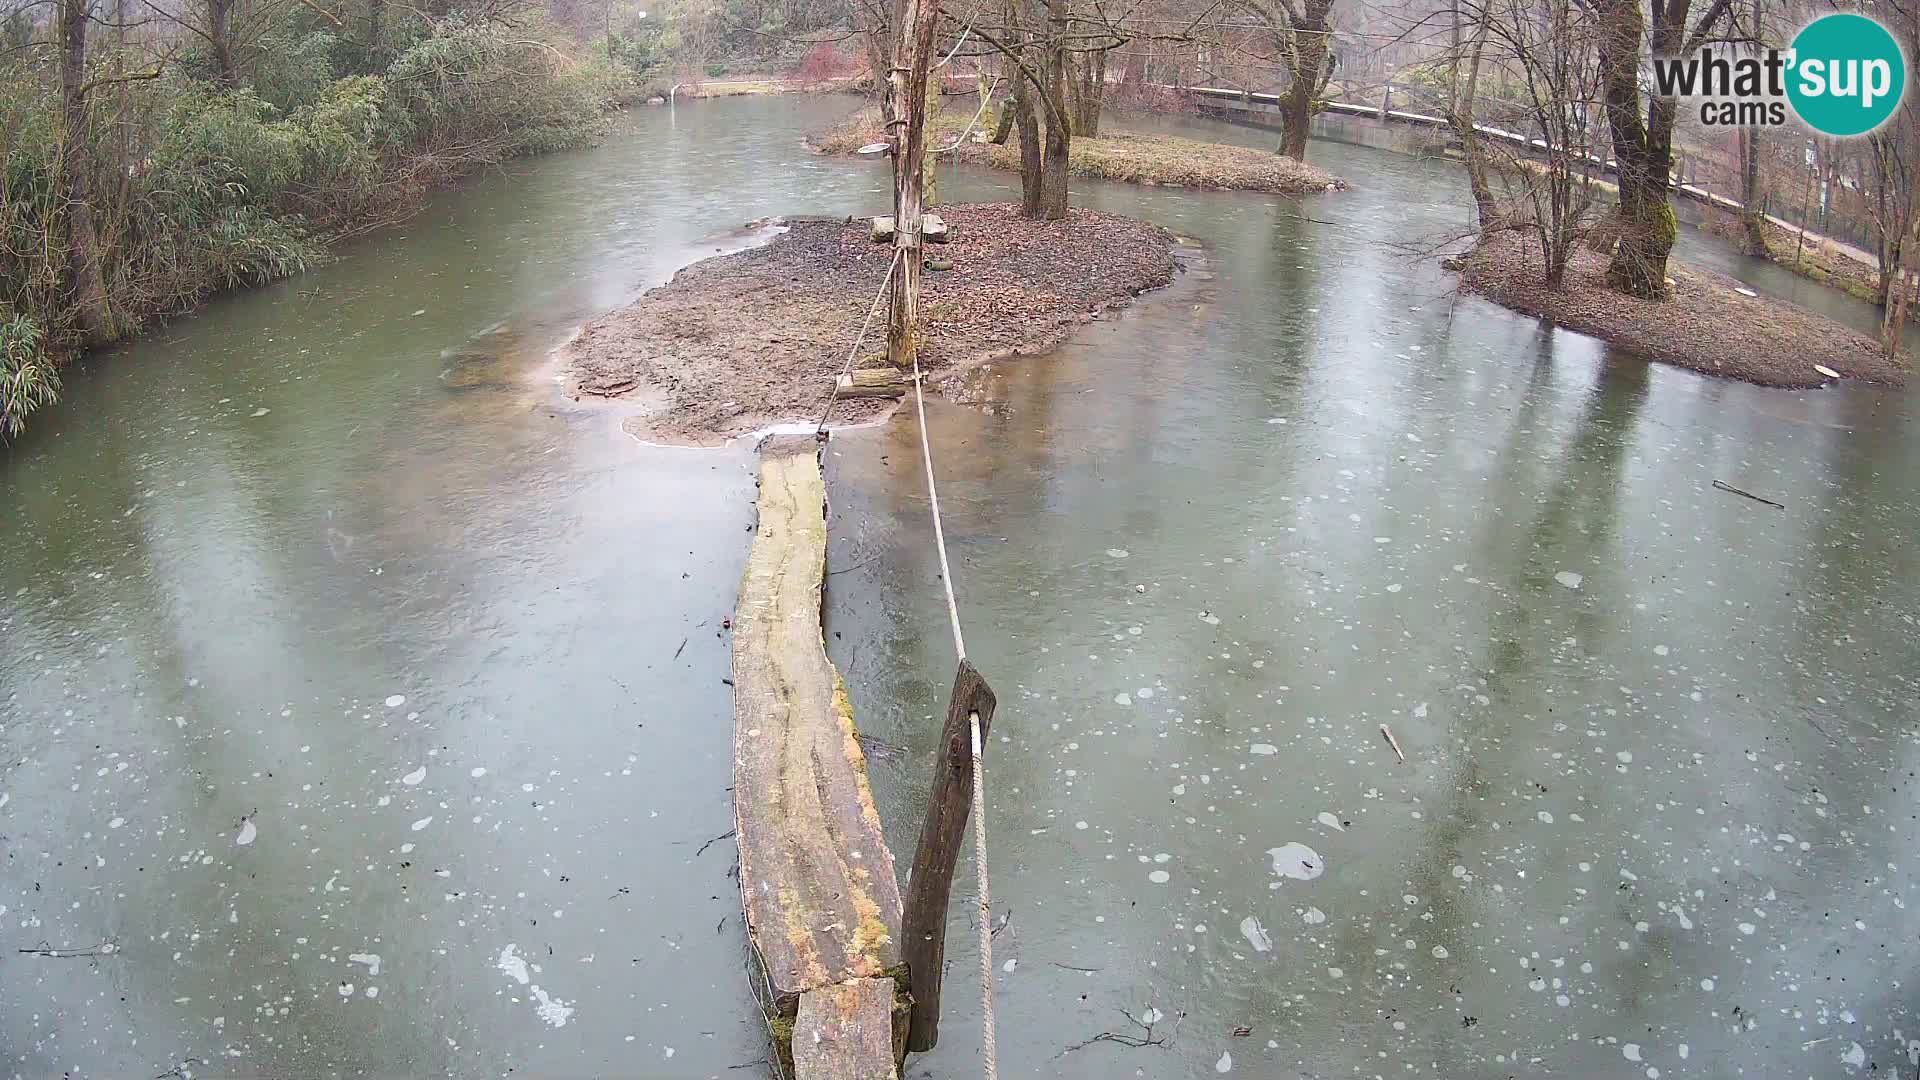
(362, 704)
(365, 697)
(1658, 814)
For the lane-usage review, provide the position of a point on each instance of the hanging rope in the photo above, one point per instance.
(988, 1051)
(985, 100)
(968, 29)
(833, 394)
(988, 1048)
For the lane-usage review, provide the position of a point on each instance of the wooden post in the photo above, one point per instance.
(923, 922)
(907, 96)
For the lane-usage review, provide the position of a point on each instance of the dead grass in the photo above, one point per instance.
(1814, 259)
(1704, 325)
(763, 85)
(1161, 160)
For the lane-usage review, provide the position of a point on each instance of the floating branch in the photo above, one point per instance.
(59, 952)
(1748, 494)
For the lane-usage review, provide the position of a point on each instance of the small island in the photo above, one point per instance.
(1707, 322)
(1129, 157)
(741, 342)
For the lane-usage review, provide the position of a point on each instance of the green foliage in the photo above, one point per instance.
(644, 47)
(28, 379)
(222, 147)
(200, 188)
(16, 30)
(459, 86)
(300, 70)
(345, 137)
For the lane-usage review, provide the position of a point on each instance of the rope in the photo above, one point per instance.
(956, 47)
(933, 497)
(988, 1050)
(985, 100)
(833, 394)
(988, 1047)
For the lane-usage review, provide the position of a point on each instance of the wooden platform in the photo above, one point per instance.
(816, 878)
(845, 1032)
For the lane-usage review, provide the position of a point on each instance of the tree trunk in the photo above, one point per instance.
(1089, 88)
(907, 83)
(220, 37)
(1644, 150)
(1030, 163)
(1004, 127)
(377, 17)
(929, 179)
(88, 284)
(995, 120)
(1307, 45)
(1053, 175)
(1753, 221)
(877, 36)
(1486, 211)
(1059, 122)
(1888, 226)
(1893, 326)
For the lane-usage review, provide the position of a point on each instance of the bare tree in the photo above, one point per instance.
(1753, 214)
(1463, 91)
(1896, 156)
(1300, 32)
(1643, 140)
(1036, 41)
(1549, 44)
(86, 268)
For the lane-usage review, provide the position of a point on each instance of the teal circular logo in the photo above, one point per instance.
(1848, 75)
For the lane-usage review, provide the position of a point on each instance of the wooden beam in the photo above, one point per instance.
(816, 877)
(844, 1032)
(872, 382)
(923, 927)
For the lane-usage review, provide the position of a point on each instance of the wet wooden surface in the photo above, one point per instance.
(816, 878)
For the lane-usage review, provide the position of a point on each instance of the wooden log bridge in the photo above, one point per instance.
(816, 877)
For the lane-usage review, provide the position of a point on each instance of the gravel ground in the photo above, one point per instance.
(1704, 325)
(739, 342)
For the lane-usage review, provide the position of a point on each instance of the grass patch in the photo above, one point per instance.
(1155, 160)
(1815, 259)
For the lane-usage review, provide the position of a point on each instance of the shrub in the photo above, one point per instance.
(200, 188)
(296, 69)
(28, 379)
(823, 63)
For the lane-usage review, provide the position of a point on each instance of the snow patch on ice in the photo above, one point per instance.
(1297, 861)
(512, 964)
(551, 1009)
(1256, 934)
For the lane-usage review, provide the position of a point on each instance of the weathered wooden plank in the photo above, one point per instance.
(871, 382)
(816, 878)
(923, 935)
(845, 1032)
